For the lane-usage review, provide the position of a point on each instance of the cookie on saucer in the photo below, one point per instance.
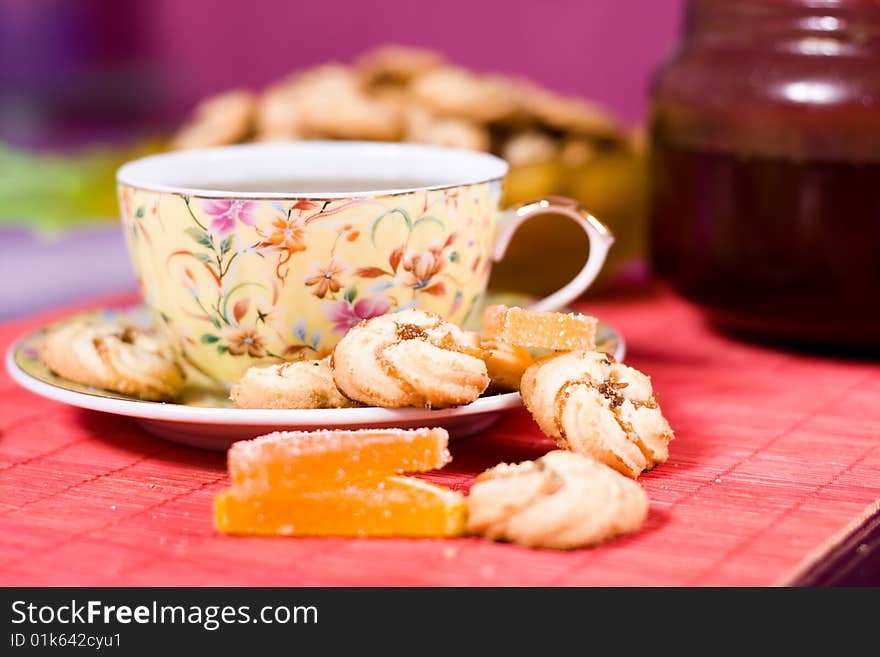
(410, 358)
(301, 384)
(114, 357)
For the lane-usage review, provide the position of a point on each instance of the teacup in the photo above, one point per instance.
(273, 251)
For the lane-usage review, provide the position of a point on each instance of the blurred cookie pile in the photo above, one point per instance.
(554, 144)
(603, 415)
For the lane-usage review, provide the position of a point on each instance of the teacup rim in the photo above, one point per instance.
(141, 173)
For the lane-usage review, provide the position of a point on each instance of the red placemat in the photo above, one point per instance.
(775, 454)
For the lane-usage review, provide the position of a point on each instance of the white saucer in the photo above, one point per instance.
(208, 422)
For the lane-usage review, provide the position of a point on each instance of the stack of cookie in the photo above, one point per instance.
(410, 358)
(396, 93)
(580, 397)
(555, 144)
(602, 414)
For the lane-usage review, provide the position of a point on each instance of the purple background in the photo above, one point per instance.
(106, 59)
(98, 70)
(605, 49)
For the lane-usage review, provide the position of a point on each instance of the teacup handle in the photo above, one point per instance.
(600, 237)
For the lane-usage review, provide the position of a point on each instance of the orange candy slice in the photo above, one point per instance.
(543, 330)
(506, 364)
(392, 506)
(339, 483)
(325, 459)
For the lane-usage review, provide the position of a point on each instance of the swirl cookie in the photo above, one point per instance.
(278, 115)
(562, 500)
(395, 64)
(422, 127)
(410, 358)
(113, 357)
(302, 384)
(573, 115)
(458, 93)
(217, 121)
(331, 103)
(356, 116)
(591, 404)
(472, 339)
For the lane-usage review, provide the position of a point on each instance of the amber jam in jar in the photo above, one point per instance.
(765, 167)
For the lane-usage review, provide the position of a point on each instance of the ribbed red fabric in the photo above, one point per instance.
(774, 453)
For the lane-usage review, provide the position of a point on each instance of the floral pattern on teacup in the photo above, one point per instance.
(239, 281)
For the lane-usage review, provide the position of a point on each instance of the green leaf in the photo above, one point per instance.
(226, 297)
(225, 245)
(403, 213)
(222, 348)
(454, 257)
(139, 214)
(200, 236)
(204, 257)
(428, 220)
(351, 294)
(54, 191)
(209, 338)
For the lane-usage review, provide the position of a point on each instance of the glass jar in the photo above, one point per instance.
(765, 167)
